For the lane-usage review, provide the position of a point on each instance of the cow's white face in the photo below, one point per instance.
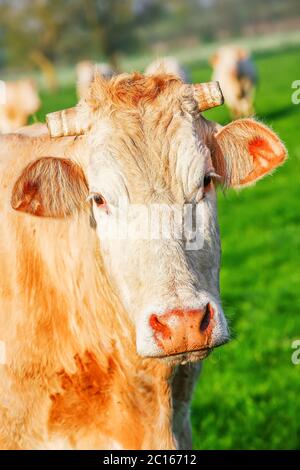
(167, 274)
(153, 157)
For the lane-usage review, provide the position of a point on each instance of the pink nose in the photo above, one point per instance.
(179, 331)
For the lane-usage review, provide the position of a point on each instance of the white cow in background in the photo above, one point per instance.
(233, 68)
(85, 72)
(168, 65)
(19, 100)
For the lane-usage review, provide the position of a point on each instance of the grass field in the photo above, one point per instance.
(249, 393)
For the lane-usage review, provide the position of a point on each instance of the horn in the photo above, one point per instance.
(208, 95)
(65, 122)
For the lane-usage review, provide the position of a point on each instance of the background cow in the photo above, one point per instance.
(168, 65)
(85, 72)
(21, 100)
(234, 69)
(98, 329)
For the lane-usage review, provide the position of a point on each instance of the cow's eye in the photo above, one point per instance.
(207, 180)
(99, 200)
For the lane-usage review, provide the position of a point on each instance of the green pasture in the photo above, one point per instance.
(249, 393)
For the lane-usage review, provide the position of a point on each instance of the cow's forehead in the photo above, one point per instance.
(149, 139)
(132, 90)
(148, 157)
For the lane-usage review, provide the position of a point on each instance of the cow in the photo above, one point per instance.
(85, 72)
(168, 65)
(104, 333)
(234, 69)
(19, 101)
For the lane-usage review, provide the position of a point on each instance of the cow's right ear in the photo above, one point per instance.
(50, 187)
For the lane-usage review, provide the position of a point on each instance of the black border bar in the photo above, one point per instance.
(136, 459)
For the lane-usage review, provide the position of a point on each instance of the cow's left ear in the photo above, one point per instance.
(50, 187)
(245, 151)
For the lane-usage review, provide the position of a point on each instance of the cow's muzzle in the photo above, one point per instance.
(184, 331)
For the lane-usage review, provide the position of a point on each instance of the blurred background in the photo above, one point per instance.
(249, 393)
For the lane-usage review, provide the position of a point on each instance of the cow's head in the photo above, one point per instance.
(153, 155)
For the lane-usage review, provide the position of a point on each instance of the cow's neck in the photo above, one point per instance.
(81, 351)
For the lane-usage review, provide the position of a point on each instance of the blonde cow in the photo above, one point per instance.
(18, 101)
(235, 71)
(85, 73)
(168, 65)
(102, 333)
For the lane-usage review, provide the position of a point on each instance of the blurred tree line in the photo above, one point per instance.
(40, 32)
(67, 30)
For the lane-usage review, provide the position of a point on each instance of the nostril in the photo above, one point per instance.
(155, 323)
(158, 326)
(206, 319)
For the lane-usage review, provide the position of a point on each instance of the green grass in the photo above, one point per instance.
(249, 392)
